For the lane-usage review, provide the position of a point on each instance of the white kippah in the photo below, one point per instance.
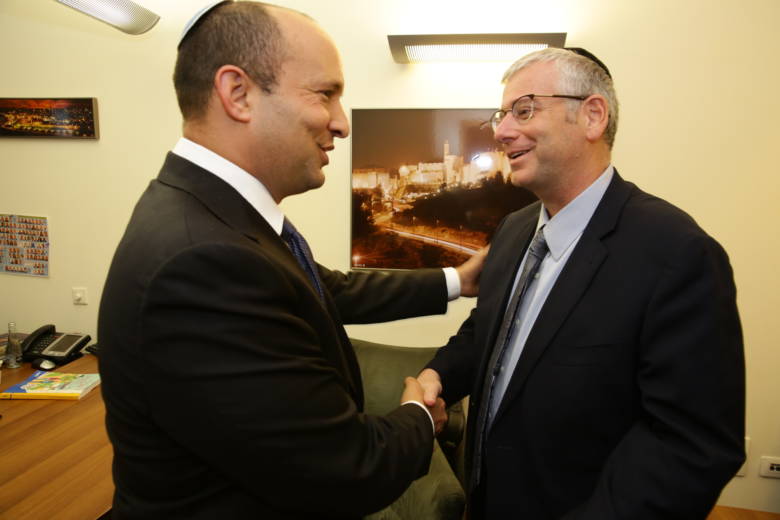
(200, 14)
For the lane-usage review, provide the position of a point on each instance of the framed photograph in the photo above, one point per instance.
(429, 187)
(71, 118)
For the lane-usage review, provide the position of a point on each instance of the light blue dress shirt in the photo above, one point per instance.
(562, 232)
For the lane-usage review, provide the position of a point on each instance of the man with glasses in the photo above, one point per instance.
(604, 358)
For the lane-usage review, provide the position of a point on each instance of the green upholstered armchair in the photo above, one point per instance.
(439, 494)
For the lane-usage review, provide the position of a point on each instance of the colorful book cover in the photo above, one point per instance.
(52, 385)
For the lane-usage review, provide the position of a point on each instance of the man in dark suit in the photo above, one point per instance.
(231, 388)
(615, 390)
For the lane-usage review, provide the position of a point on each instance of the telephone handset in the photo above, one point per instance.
(46, 343)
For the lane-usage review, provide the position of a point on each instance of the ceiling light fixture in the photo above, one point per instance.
(125, 15)
(422, 48)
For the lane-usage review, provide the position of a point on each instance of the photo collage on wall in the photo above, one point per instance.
(24, 245)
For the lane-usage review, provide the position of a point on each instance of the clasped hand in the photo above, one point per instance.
(415, 390)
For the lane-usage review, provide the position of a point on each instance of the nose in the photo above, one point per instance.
(339, 125)
(506, 130)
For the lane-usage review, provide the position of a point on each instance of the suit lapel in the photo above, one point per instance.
(219, 197)
(509, 252)
(507, 249)
(230, 207)
(585, 261)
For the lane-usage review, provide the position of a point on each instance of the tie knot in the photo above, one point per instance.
(538, 246)
(288, 230)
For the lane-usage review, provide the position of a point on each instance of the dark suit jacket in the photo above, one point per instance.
(231, 390)
(628, 399)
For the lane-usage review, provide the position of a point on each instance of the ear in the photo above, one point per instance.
(233, 87)
(596, 114)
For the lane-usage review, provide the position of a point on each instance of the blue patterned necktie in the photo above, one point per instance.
(536, 253)
(302, 253)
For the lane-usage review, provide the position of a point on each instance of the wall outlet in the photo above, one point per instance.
(743, 470)
(79, 295)
(770, 467)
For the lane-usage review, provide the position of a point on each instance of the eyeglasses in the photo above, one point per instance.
(523, 109)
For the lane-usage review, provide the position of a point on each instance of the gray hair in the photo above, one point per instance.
(578, 76)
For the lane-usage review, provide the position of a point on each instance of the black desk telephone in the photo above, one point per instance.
(58, 347)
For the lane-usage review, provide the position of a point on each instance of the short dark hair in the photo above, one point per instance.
(244, 34)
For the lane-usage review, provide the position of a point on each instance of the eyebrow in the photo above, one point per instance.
(512, 102)
(335, 85)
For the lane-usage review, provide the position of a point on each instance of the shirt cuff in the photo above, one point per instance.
(433, 426)
(453, 283)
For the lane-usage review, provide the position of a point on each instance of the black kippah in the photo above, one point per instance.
(592, 57)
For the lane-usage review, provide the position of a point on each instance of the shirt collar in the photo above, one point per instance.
(242, 181)
(569, 223)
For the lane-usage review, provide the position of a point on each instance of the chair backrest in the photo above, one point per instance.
(383, 369)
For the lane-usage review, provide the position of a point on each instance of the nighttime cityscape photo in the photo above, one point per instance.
(429, 187)
(74, 118)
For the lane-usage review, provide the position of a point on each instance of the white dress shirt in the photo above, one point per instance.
(562, 232)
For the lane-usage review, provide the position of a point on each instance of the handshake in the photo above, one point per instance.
(426, 389)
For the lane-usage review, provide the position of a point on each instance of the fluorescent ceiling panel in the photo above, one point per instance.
(417, 48)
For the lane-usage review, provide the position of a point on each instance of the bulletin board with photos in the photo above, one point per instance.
(24, 245)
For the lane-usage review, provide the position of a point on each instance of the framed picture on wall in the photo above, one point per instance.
(429, 187)
(70, 118)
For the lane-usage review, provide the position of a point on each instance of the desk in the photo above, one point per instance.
(734, 513)
(55, 457)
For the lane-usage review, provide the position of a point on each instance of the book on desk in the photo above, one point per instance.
(52, 385)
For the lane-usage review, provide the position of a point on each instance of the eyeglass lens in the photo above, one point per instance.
(522, 110)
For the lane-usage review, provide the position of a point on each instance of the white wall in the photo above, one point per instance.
(696, 78)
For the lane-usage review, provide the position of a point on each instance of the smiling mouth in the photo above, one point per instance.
(324, 151)
(515, 155)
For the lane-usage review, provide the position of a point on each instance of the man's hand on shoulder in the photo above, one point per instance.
(469, 272)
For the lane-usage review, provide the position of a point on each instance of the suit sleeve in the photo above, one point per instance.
(379, 296)
(690, 371)
(459, 360)
(236, 375)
